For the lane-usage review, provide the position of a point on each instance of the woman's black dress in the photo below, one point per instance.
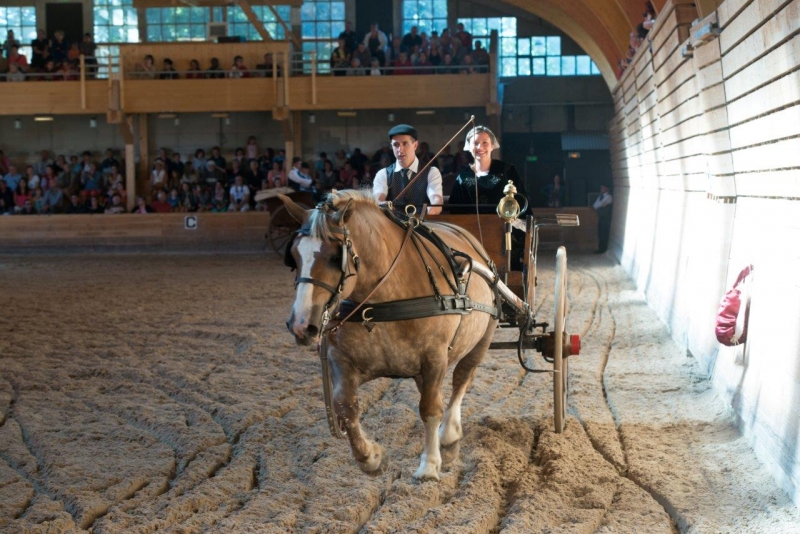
(490, 188)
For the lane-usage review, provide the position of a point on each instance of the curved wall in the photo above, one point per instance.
(706, 163)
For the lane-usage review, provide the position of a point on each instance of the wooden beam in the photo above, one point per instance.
(144, 151)
(257, 23)
(286, 28)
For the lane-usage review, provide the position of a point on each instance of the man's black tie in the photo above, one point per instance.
(404, 176)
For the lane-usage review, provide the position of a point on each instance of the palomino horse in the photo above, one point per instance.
(346, 246)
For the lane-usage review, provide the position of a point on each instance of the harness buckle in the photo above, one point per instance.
(366, 321)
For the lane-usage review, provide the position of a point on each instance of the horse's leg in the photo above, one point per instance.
(450, 432)
(431, 407)
(371, 457)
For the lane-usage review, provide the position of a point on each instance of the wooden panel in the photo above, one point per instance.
(30, 98)
(729, 10)
(779, 125)
(678, 36)
(781, 60)
(681, 17)
(164, 231)
(706, 54)
(153, 96)
(769, 184)
(685, 111)
(771, 97)
(780, 155)
(670, 66)
(753, 16)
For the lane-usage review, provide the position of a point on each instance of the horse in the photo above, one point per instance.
(345, 247)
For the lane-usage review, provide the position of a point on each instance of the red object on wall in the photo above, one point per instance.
(729, 311)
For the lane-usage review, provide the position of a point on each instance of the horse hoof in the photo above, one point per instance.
(450, 452)
(381, 469)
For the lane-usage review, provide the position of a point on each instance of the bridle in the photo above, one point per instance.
(347, 252)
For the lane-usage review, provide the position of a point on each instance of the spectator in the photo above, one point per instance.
(94, 206)
(32, 178)
(358, 160)
(434, 40)
(280, 157)
(384, 150)
(120, 190)
(434, 57)
(40, 46)
(14, 74)
(446, 160)
(327, 178)
(168, 70)
(21, 194)
(147, 69)
(394, 50)
(239, 156)
(142, 206)
(194, 73)
(6, 198)
(67, 73)
(218, 159)
(10, 42)
(109, 162)
(158, 178)
(410, 40)
(423, 66)
(61, 163)
(53, 197)
(375, 68)
(297, 179)
(464, 37)
(220, 196)
(236, 170)
(174, 200)
(348, 177)
(49, 72)
(468, 67)
(177, 165)
(266, 69)
(340, 59)
(447, 66)
(446, 42)
(114, 177)
(27, 207)
(349, 38)
(363, 55)
(201, 198)
(75, 205)
(554, 193)
(253, 176)
(375, 41)
(74, 54)
(459, 52)
(15, 58)
(339, 159)
(185, 198)
(275, 175)
(12, 178)
(238, 70)
(214, 70)
(59, 47)
(649, 16)
(214, 173)
(251, 149)
(402, 65)
(38, 200)
(116, 206)
(355, 68)
(480, 56)
(174, 179)
(199, 163)
(88, 49)
(239, 195)
(92, 180)
(189, 174)
(160, 205)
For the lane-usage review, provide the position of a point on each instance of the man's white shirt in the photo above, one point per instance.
(299, 178)
(380, 185)
(602, 201)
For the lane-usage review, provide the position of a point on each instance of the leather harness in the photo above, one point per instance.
(458, 303)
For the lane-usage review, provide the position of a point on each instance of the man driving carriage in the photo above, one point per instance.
(390, 181)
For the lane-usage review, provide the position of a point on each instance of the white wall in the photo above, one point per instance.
(706, 163)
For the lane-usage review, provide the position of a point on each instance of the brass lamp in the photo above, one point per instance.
(508, 207)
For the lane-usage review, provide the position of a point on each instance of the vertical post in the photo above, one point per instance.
(275, 76)
(297, 132)
(314, 77)
(130, 175)
(286, 66)
(144, 151)
(83, 81)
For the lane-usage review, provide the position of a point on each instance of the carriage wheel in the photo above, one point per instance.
(281, 227)
(560, 365)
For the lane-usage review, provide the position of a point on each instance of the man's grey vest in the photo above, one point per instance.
(417, 195)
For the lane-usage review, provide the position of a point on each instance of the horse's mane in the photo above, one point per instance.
(336, 200)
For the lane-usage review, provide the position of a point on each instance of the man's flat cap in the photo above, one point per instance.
(403, 129)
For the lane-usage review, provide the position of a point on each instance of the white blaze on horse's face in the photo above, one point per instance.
(308, 249)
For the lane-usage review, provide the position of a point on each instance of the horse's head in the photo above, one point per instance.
(326, 264)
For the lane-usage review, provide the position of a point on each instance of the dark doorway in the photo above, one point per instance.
(67, 18)
(537, 157)
(379, 11)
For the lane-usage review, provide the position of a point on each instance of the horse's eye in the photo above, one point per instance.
(336, 260)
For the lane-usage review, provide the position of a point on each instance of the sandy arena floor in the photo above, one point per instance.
(144, 393)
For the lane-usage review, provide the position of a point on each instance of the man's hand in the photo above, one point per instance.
(434, 210)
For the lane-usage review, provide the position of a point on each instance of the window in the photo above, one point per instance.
(115, 21)
(321, 23)
(481, 30)
(176, 23)
(23, 21)
(239, 25)
(427, 15)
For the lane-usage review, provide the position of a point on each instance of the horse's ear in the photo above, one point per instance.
(343, 215)
(298, 214)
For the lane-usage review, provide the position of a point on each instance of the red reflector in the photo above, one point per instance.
(575, 344)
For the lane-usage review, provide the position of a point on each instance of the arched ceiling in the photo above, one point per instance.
(601, 27)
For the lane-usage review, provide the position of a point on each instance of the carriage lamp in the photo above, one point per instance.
(508, 207)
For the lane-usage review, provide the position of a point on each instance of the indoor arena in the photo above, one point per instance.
(458, 266)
